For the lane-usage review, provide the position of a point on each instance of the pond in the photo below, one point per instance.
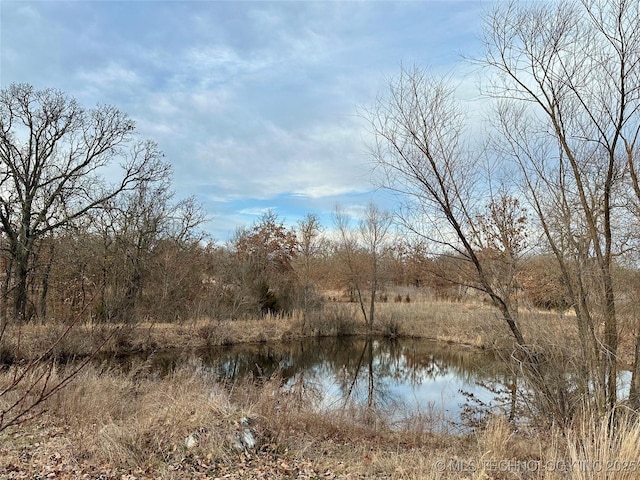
(445, 386)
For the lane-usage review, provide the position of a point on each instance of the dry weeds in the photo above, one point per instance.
(470, 323)
(113, 425)
(110, 424)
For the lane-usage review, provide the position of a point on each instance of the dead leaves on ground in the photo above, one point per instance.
(25, 457)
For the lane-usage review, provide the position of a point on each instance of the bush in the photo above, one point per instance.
(391, 328)
(338, 320)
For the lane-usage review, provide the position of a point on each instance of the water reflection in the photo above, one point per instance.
(383, 379)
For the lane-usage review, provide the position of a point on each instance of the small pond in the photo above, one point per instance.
(446, 386)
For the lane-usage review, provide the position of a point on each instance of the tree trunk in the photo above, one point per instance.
(374, 289)
(6, 285)
(610, 347)
(634, 389)
(45, 284)
(21, 283)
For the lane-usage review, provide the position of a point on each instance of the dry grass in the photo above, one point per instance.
(597, 450)
(113, 424)
(470, 323)
(134, 420)
(109, 422)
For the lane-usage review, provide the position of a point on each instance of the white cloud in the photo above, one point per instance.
(109, 80)
(316, 162)
(256, 212)
(251, 101)
(212, 65)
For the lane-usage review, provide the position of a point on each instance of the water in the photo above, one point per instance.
(401, 380)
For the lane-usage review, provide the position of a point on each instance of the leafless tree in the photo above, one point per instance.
(310, 244)
(348, 250)
(375, 230)
(134, 228)
(54, 160)
(568, 76)
(419, 127)
(363, 251)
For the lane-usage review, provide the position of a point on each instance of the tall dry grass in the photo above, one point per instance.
(471, 323)
(600, 449)
(135, 420)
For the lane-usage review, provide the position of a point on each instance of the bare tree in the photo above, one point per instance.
(420, 129)
(375, 231)
(363, 251)
(53, 159)
(348, 250)
(310, 243)
(568, 74)
(134, 227)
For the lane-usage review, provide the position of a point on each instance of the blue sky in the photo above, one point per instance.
(255, 104)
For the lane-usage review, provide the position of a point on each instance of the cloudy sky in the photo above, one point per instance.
(255, 104)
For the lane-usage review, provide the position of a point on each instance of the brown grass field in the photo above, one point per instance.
(466, 323)
(110, 424)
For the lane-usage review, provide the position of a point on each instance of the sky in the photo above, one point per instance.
(256, 105)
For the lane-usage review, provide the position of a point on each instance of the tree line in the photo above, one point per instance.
(73, 243)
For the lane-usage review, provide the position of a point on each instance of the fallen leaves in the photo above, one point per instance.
(47, 451)
(50, 457)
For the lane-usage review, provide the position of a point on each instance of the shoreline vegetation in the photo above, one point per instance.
(108, 424)
(468, 323)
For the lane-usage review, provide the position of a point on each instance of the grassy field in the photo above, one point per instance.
(110, 424)
(467, 323)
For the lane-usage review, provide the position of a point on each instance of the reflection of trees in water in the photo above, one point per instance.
(404, 360)
(430, 360)
(363, 371)
(368, 383)
(367, 372)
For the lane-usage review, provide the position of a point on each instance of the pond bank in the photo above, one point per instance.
(471, 324)
(110, 423)
(113, 426)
